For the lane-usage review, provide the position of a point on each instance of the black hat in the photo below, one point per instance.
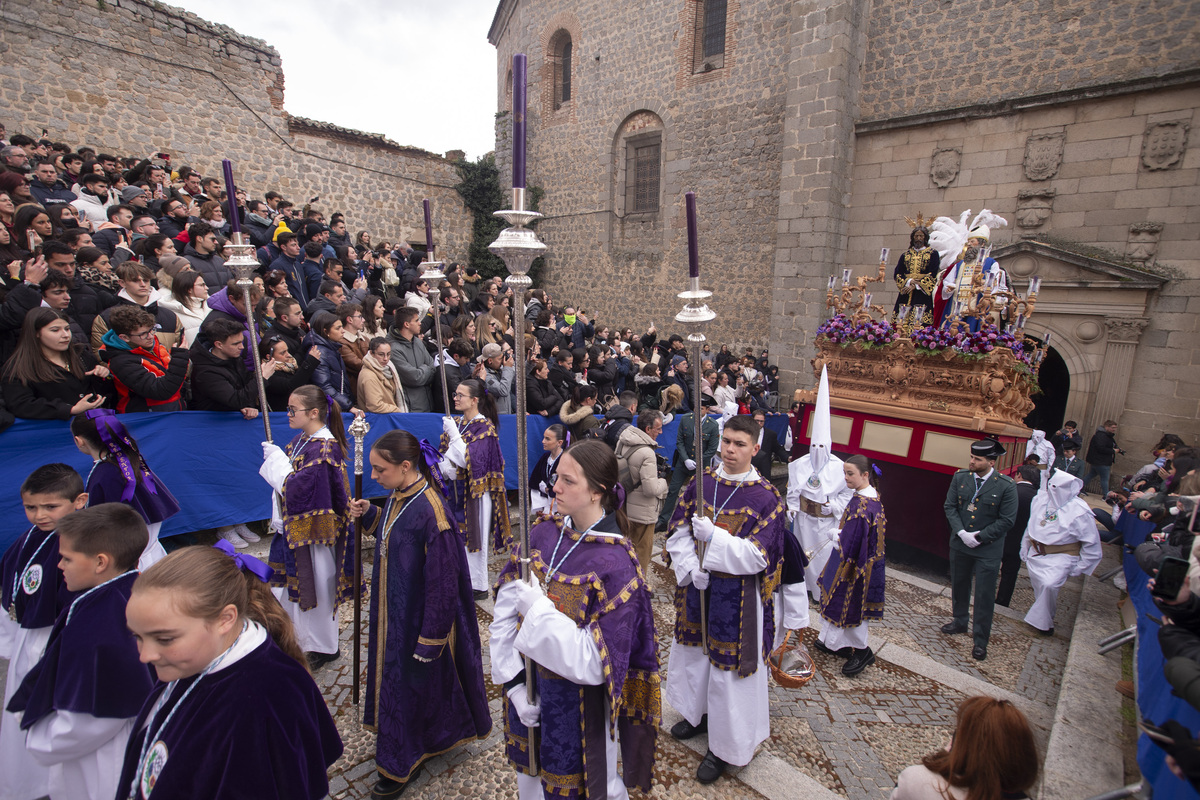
(987, 448)
(1070, 445)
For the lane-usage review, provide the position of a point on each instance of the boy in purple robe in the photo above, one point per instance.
(473, 468)
(79, 702)
(852, 584)
(425, 691)
(120, 474)
(590, 636)
(727, 554)
(34, 594)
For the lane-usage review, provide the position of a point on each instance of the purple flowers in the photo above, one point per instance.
(979, 343)
(840, 329)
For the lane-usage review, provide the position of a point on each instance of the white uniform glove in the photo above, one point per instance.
(700, 579)
(690, 464)
(269, 451)
(969, 538)
(834, 536)
(526, 595)
(702, 528)
(450, 429)
(827, 509)
(529, 713)
(543, 488)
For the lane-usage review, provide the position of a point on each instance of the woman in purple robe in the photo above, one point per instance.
(474, 472)
(236, 712)
(852, 584)
(313, 558)
(590, 636)
(121, 475)
(425, 693)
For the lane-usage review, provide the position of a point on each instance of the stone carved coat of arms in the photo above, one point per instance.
(943, 169)
(1164, 144)
(1043, 155)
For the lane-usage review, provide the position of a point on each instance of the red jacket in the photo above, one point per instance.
(146, 380)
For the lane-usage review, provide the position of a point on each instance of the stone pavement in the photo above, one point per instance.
(834, 737)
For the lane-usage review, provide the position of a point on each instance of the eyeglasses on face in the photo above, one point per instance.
(292, 411)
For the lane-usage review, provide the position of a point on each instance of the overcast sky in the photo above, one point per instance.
(421, 73)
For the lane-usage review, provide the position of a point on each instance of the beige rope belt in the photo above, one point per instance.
(1073, 548)
(812, 509)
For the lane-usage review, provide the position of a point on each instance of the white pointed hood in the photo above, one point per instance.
(820, 471)
(1059, 498)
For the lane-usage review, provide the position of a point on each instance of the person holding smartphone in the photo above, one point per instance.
(496, 370)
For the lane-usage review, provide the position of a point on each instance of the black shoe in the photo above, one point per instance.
(710, 769)
(482, 594)
(686, 730)
(387, 789)
(1045, 633)
(318, 660)
(844, 652)
(979, 653)
(858, 662)
(951, 628)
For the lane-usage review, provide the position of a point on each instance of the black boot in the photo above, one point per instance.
(387, 789)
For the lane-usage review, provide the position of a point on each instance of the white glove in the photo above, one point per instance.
(450, 429)
(690, 464)
(543, 488)
(529, 714)
(269, 451)
(834, 536)
(702, 528)
(969, 538)
(827, 509)
(700, 579)
(527, 595)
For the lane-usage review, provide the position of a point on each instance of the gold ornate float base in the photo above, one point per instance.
(989, 394)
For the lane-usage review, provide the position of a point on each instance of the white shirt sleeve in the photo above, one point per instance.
(275, 469)
(66, 735)
(795, 605)
(840, 501)
(506, 661)
(682, 549)
(456, 455)
(950, 284)
(728, 553)
(793, 490)
(552, 639)
(1091, 552)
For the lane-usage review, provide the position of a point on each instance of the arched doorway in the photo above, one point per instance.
(1050, 406)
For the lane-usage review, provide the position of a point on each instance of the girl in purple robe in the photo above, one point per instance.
(853, 581)
(474, 472)
(120, 475)
(425, 693)
(595, 692)
(313, 557)
(236, 712)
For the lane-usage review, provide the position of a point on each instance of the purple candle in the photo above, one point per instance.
(235, 219)
(428, 229)
(518, 129)
(693, 237)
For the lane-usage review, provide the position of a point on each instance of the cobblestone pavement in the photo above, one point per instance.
(850, 735)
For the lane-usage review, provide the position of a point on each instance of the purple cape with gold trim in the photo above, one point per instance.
(315, 508)
(106, 484)
(852, 586)
(422, 604)
(484, 475)
(751, 511)
(600, 587)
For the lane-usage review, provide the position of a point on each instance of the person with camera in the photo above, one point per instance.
(645, 483)
(495, 369)
(1102, 452)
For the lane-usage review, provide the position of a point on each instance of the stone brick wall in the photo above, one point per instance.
(137, 77)
(936, 54)
(722, 138)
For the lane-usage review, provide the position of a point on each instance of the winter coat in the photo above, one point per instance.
(499, 385)
(415, 366)
(330, 375)
(283, 382)
(637, 458)
(534, 308)
(108, 236)
(167, 328)
(53, 399)
(211, 267)
(290, 336)
(220, 384)
(220, 307)
(259, 232)
(319, 303)
(93, 209)
(379, 389)
(580, 419)
(648, 388)
(190, 317)
(55, 193)
(146, 379)
(603, 378)
(548, 339)
(87, 302)
(353, 351)
(540, 395)
(1102, 450)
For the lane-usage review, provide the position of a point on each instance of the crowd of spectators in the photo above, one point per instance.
(116, 293)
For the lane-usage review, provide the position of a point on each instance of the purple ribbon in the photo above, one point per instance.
(328, 407)
(110, 428)
(878, 471)
(619, 490)
(433, 457)
(257, 567)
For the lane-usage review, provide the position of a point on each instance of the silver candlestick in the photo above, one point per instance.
(242, 264)
(433, 277)
(695, 317)
(519, 246)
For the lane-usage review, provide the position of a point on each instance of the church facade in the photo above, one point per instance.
(810, 129)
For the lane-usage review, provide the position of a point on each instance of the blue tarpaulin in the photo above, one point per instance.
(210, 460)
(1155, 701)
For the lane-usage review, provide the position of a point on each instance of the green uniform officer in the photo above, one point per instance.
(980, 507)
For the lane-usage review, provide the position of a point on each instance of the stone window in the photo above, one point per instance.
(508, 90)
(709, 48)
(643, 160)
(560, 66)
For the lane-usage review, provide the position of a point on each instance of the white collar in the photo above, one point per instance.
(744, 477)
(253, 636)
(988, 475)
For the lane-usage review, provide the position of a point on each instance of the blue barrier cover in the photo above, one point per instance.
(210, 459)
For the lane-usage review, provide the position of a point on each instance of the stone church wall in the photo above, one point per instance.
(133, 78)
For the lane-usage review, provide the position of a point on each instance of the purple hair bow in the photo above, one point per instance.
(433, 457)
(257, 567)
(113, 433)
(619, 490)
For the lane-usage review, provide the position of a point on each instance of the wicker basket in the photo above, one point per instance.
(791, 664)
